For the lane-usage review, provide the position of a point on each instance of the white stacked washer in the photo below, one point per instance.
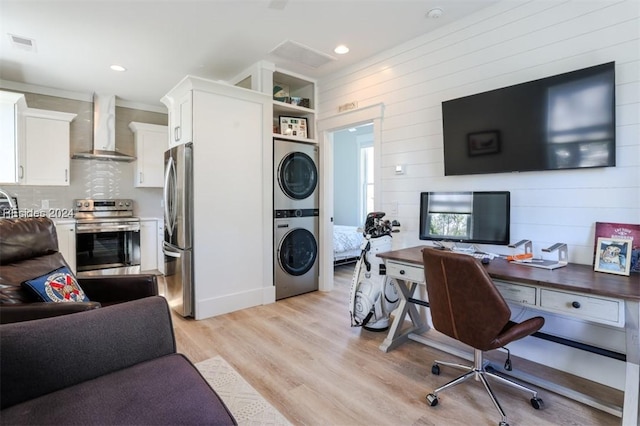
(296, 221)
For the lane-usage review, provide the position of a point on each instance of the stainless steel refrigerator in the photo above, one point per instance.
(178, 228)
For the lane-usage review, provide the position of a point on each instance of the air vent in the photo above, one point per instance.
(277, 4)
(296, 52)
(23, 43)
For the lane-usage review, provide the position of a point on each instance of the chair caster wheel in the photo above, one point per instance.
(537, 403)
(432, 399)
(503, 424)
(435, 369)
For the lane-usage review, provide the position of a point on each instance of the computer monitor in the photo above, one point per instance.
(469, 217)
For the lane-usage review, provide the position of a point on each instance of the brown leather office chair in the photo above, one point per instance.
(466, 305)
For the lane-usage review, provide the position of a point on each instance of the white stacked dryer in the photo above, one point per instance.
(296, 217)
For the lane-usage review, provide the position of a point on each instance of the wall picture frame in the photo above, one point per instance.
(613, 256)
(293, 126)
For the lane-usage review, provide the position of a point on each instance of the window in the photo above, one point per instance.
(366, 179)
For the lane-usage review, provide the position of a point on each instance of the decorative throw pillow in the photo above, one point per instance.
(57, 286)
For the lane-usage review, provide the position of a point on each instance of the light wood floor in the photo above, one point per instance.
(302, 355)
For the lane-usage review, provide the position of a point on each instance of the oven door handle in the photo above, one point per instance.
(167, 251)
(81, 229)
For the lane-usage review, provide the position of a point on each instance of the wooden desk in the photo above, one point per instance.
(622, 295)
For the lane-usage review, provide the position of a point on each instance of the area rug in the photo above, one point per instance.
(245, 403)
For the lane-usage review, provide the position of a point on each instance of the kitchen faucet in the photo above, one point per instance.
(12, 205)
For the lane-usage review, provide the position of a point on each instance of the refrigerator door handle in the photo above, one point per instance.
(167, 251)
(169, 196)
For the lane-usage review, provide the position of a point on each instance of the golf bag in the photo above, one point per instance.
(373, 295)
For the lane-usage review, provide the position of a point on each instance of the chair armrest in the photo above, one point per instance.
(38, 310)
(112, 289)
(42, 356)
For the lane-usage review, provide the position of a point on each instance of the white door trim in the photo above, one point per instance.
(326, 127)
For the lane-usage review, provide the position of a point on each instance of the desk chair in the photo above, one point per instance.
(466, 305)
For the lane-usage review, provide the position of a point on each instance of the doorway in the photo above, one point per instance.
(353, 170)
(328, 129)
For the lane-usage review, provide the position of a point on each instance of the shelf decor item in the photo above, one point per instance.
(613, 255)
(298, 101)
(293, 126)
(281, 92)
(625, 231)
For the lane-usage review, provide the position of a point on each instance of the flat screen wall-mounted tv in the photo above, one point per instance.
(468, 217)
(562, 122)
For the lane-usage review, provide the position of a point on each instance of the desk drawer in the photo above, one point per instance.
(590, 308)
(517, 293)
(404, 271)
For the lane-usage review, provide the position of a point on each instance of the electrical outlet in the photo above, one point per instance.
(45, 204)
(394, 207)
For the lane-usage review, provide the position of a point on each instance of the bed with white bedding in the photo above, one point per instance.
(346, 244)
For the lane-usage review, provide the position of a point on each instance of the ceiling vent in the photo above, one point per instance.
(23, 43)
(277, 4)
(296, 52)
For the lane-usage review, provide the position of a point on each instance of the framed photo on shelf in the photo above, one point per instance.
(293, 126)
(613, 256)
(624, 231)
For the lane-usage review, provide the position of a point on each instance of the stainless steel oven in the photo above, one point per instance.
(107, 237)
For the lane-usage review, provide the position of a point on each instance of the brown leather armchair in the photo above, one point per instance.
(467, 306)
(29, 249)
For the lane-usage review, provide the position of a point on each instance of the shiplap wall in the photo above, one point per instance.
(509, 43)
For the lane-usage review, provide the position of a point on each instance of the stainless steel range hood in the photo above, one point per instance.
(104, 131)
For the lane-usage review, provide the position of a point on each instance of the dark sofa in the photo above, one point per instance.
(114, 365)
(28, 249)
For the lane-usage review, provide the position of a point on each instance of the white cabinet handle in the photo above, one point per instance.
(21, 175)
(177, 133)
(66, 175)
(141, 178)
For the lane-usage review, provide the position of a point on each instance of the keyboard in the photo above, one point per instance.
(477, 254)
(471, 251)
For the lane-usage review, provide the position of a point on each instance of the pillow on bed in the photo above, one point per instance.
(57, 286)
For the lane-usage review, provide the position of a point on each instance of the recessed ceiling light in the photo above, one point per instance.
(435, 13)
(118, 68)
(341, 49)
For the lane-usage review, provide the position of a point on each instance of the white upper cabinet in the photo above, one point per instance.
(11, 107)
(45, 148)
(179, 104)
(151, 143)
